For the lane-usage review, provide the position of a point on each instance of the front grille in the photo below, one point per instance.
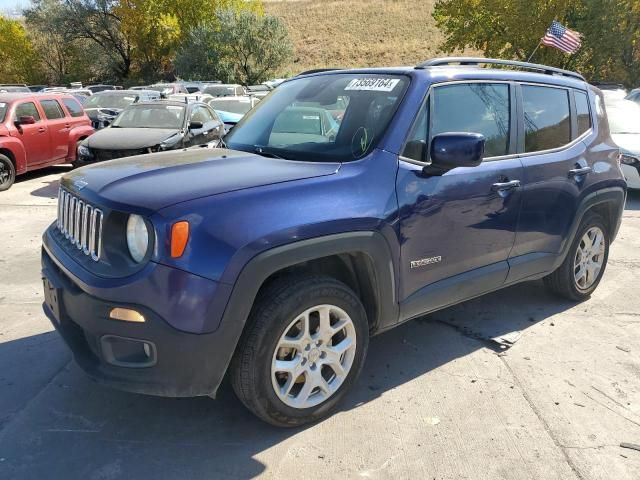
(80, 223)
(103, 155)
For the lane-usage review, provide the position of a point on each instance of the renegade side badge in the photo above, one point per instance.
(425, 261)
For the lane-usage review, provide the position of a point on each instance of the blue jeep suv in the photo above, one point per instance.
(345, 203)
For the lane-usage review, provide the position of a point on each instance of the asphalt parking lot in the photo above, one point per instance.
(514, 385)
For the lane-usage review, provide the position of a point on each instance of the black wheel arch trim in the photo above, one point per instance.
(265, 264)
(615, 197)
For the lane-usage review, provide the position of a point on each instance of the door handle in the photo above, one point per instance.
(504, 186)
(576, 172)
(42, 129)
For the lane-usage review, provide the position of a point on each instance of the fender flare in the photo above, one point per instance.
(260, 267)
(615, 197)
(17, 152)
(74, 135)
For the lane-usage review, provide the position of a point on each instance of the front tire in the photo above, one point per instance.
(7, 173)
(303, 348)
(582, 269)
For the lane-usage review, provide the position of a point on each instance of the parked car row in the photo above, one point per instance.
(38, 130)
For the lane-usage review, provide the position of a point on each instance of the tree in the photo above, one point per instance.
(513, 28)
(244, 47)
(17, 55)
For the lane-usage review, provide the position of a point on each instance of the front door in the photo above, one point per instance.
(457, 230)
(34, 137)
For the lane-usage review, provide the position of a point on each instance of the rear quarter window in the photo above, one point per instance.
(74, 108)
(547, 121)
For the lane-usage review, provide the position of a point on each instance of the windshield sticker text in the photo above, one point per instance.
(373, 84)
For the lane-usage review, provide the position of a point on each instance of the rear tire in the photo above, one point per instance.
(7, 173)
(582, 269)
(302, 349)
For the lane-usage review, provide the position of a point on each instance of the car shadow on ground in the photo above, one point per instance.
(633, 200)
(84, 428)
(50, 188)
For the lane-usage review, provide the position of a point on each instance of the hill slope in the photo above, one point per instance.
(354, 33)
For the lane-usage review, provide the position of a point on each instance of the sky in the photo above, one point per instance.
(11, 5)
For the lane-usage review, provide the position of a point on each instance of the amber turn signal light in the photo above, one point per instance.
(126, 315)
(179, 238)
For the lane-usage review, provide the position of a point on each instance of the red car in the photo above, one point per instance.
(38, 130)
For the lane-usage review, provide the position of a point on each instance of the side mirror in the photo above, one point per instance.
(195, 125)
(451, 150)
(25, 120)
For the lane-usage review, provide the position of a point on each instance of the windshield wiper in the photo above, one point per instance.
(266, 153)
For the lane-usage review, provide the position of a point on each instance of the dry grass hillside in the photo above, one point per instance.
(353, 33)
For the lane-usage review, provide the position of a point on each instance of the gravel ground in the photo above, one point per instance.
(513, 385)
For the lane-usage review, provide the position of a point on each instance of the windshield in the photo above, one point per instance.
(624, 117)
(232, 106)
(3, 111)
(151, 116)
(334, 117)
(109, 101)
(220, 90)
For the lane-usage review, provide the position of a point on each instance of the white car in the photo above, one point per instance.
(190, 97)
(624, 123)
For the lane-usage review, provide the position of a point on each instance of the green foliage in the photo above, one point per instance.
(513, 28)
(17, 54)
(244, 47)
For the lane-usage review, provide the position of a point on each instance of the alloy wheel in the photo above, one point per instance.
(589, 258)
(313, 357)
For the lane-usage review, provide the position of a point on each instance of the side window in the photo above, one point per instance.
(416, 146)
(200, 114)
(27, 110)
(75, 110)
(52, 109)
(582, 111)
(475, 108)
(547, 122)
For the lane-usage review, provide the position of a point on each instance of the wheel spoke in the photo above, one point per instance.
(307, 367)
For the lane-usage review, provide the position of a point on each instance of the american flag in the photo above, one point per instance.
(562, 38)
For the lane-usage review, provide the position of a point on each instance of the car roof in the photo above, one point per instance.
(174, 103)
(238, 98)
(17, 96)
(444, 73)
(125, 92)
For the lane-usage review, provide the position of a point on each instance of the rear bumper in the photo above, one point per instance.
(151, 357)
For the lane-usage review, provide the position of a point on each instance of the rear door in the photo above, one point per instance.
(35, 137)
(59, 127)
(557, 173)
(457, 230)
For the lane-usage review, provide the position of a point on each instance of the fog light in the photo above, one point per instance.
(147, 350)
(126, 315)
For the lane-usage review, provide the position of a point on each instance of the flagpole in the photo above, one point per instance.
(534, 51)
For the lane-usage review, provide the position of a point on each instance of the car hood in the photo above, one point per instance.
(148, 183)
(128, 138)
(628, 143)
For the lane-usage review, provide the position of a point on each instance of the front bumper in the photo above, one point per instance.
(151, 357)
(632, 175)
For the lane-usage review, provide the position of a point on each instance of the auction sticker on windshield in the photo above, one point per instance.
(373, 84)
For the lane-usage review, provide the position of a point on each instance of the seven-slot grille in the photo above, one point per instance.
(80, 223)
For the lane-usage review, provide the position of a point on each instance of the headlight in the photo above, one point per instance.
(137, 237)
(627, 159)
(84, 151)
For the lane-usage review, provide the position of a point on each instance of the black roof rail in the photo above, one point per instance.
(317, 70)
(434, 62)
